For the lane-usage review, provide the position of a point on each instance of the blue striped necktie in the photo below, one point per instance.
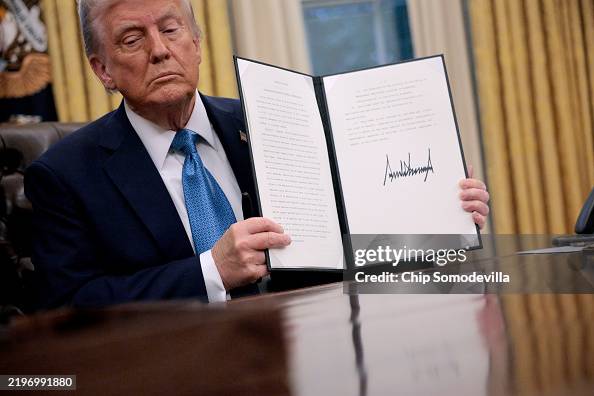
(208, 208)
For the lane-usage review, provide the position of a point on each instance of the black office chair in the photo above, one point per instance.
(19, 146)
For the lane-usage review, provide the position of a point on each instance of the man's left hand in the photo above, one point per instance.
(474, 198)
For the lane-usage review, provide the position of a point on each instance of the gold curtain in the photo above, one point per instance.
(217, 73)
(534, 62)
(79, 95)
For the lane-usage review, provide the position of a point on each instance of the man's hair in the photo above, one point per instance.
(86, 17)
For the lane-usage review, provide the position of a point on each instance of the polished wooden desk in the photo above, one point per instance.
(318, 341)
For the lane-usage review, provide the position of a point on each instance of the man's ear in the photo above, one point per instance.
(100, 71)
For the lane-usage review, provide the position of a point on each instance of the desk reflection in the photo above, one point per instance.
(439, 344)
(318, 341)
(395, 344)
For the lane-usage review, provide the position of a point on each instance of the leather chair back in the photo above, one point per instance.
(34, 139)
(19, 147)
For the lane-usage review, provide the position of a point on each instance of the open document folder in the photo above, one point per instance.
(374, 151)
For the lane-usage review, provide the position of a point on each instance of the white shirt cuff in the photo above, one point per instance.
(215, 290)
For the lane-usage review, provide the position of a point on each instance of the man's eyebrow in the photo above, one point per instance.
(124, 26)
(170, 14)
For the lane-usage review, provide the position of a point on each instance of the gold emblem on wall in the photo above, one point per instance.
(24, 62)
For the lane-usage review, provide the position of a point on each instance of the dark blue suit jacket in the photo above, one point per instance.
(105, 228)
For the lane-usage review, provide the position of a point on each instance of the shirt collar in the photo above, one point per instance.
(157, 140)
(200, 123)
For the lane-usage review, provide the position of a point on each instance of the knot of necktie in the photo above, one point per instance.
(185, 141)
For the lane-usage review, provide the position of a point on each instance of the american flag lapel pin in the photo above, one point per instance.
(242, 136)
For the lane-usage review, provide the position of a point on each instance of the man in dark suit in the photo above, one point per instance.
(146, 202)
(109, 209)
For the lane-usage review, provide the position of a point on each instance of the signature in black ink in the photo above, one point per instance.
(406, 170)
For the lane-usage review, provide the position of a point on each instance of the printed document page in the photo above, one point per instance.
(398, 151)
(291, 164)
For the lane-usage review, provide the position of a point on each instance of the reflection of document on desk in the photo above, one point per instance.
(374, 151)
(433, 350)
(426, 345)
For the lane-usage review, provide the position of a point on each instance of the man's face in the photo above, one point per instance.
(148, 52)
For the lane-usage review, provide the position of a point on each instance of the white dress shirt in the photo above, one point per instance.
(169, 163)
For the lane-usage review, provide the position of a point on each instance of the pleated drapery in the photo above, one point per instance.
(217, 73)
(79, 95)
(534, 62)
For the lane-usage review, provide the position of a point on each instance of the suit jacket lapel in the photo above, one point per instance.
(228, 124)
(134, 174)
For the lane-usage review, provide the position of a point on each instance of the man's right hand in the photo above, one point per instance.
(239, 254)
